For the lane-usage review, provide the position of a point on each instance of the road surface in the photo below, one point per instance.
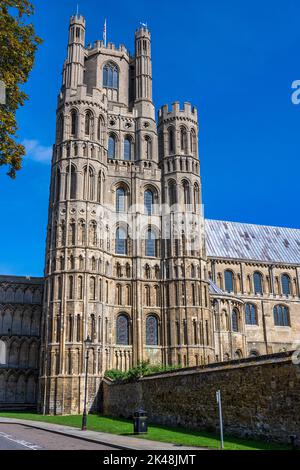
(22, 437)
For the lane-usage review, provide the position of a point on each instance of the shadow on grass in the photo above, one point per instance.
(229, 439)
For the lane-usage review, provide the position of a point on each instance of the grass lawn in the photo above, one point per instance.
(176, 435)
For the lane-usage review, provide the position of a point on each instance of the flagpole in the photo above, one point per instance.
(104, 33)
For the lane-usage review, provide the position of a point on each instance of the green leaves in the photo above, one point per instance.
(135, 373)
(18, 46)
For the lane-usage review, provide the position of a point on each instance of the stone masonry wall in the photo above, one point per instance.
(260, 397)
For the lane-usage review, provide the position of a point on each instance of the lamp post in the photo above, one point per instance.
(87, 344)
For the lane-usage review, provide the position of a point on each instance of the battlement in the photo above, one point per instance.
(77, 20)
(176, 111)
(110, 46)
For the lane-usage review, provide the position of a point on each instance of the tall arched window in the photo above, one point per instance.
(147, 296)
(88, 123)
(193, 143)
(80, 288)
(127, 149)
(121, 241)
(100, 129)
(150, 244)
(60, 127)
(93, 233)
(81, 232)
(258, 283)
(120, 200)
(74, 123)
(112, 146)
(196, 196)
(235, 320)
(110, 76)
(251, 314)
(71, 184)
(3, 354)
(88, 184)
(183, 140)
(122, 330)
(171, 140)
(152, 330)
(99, 186)
(229, 284)
(70, 287)
(71, 235)
(281, 315)
(148, 144)
(285, 284)
(119, 294)
(57, 185)
(92, 288)
(148, 201)
(172, 193)
(186, 192)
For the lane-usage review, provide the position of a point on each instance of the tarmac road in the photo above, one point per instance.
(21, 437)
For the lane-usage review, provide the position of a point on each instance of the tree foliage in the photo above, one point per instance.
(18, 45)
(135, 373)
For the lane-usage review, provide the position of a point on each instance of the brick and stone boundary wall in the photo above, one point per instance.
(260, 397)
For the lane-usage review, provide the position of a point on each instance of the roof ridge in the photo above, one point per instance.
(252, 224)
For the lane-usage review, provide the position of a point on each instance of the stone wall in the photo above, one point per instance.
(260, 397)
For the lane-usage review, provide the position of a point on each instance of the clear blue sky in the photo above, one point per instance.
(234, 60)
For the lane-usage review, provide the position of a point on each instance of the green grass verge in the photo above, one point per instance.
(179, 436)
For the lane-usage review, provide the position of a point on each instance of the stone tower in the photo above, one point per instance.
(120, 267)
(187, 301)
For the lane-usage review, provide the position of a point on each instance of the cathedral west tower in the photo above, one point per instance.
(125, 256)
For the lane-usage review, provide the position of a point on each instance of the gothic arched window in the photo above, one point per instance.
(88, 123)
(112, 146)
(3, 353)
(183, 140)
(196, 196)
(70, 287)
(122, 330)
(72, 184)
(285, 284)
(74, 123)
(148, 147)
(193, 143)
(251, 314)
(92, 288)
(150, 244)
(57, 185)
(110, 76)
(186, 192)
(258, 284)
(235, 320)
(100, 129)
(281, 315)
(152, 330)
(121, 241)
(229, 286)
(127, 149)
(99, 181)
(120, 200)
(171, 139)
(172, 193)
(148, 201)
(80, 287)
(88, 183)
(60, 127)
